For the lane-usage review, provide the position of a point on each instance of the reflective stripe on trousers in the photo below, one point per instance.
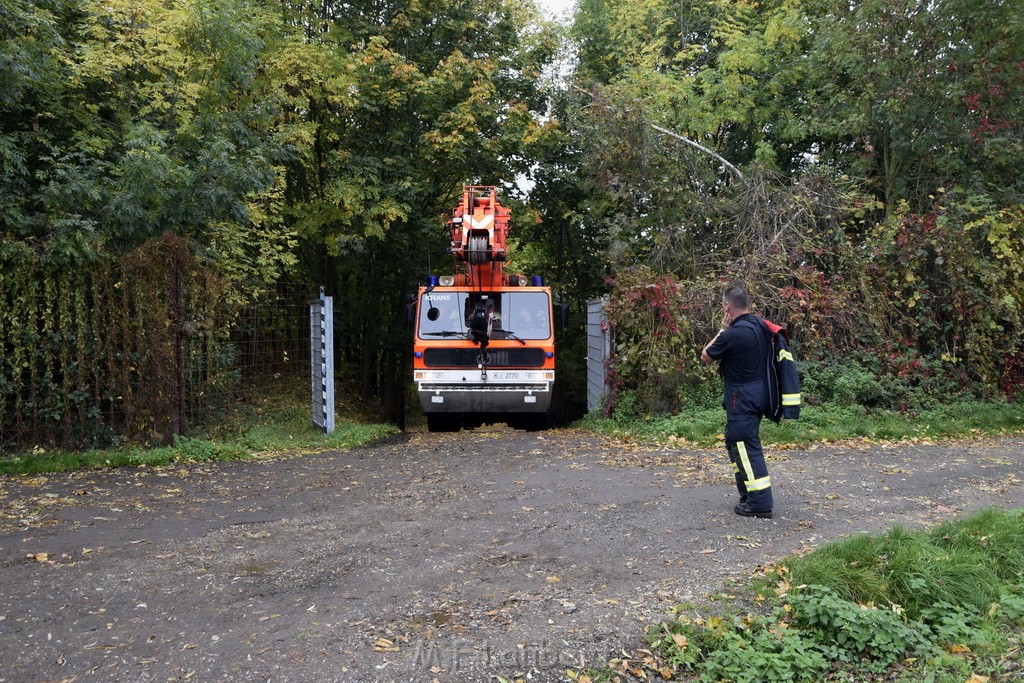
(744, 445)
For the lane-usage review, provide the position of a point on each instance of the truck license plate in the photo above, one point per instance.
(505, 374)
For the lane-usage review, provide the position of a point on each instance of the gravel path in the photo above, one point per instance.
(447, 557)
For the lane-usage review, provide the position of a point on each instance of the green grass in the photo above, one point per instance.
(935, 605)
(702, 426)
(916, 571)
(271, 426)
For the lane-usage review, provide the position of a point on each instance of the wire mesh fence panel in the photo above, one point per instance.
(144, 346)
(265, 352)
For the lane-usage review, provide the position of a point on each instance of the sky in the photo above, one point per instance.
(555, 8)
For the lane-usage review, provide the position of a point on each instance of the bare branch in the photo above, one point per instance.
(704, 149)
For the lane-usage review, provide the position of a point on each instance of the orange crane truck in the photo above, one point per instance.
(484, 345)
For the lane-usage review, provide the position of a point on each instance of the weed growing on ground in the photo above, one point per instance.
(281, 424)
(934, 605)
(902, 568)
(701, 426)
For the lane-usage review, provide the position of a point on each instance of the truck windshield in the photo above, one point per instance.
(526, 315)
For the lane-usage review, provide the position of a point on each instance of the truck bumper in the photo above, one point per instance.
(502, 391)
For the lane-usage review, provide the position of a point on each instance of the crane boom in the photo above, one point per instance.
(478, 229)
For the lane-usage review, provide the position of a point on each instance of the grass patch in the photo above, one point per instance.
(912, 571)
(280, 424)
(941, 604)
(702, 426)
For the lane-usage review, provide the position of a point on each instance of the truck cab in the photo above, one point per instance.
(462, 384)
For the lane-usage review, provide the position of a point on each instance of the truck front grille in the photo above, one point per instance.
(499, 358)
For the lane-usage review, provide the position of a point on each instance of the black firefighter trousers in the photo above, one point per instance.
(743, 409)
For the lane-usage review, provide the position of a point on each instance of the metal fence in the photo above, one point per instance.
(144, 347)
(321, 364)
(598, 350)
(265, 352)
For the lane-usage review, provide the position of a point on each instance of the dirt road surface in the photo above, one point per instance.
(447, 557)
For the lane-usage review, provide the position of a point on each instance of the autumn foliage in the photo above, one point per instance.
(922, 307)
(872, 201)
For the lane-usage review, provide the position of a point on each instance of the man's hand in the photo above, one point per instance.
(726, 320)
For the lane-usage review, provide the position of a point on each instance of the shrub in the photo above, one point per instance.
(873, 639)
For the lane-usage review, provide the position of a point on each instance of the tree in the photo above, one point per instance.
(125, 120)
(138, 154)
(419, 98)
(876, 140)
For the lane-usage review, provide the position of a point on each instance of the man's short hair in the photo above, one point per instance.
(737, 297)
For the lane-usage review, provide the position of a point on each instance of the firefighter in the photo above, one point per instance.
(743, 353)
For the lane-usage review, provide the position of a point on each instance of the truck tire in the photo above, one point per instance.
(442, 422)
(530, 422)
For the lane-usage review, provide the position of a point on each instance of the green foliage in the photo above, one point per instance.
(701, 424)
(321, 141)
(876, 213)
(911, 571)
(125, 127)
(281, 423)
(395, 107)
(198, 450)
(752, 648)
(91, 350)
(277, 427)
(813, 632)
(871, 638)
(875, 208)
(917, 310)
(130, 119)
(992, 537)
(847, 627)
(840, 383)
(653, 335)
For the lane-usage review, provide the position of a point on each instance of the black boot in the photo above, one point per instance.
(745, 509)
